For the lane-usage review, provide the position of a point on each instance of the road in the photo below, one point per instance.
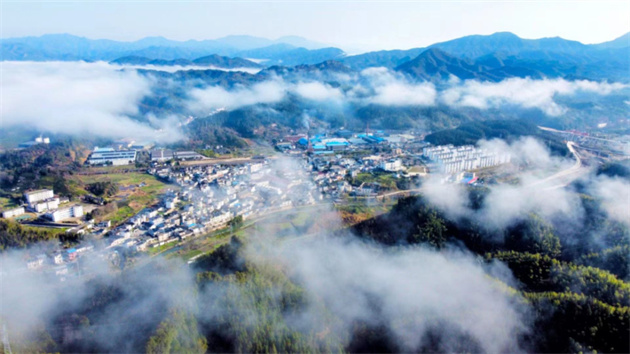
(565, 177)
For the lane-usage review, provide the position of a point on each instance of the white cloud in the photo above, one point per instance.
(391, 89)
(75, 98)
(214, 97)
(614, 194)
(317, 91)
(526, 93)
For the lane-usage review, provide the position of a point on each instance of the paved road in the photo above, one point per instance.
(565, 177)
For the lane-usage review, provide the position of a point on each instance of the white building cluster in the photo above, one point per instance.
(452, 159)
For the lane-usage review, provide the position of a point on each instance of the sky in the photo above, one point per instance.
(351, 25)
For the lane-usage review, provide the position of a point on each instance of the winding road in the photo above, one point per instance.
(565, 177)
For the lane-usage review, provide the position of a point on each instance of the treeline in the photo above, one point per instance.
(251, 308)
(102, 189)
(14, 235)
(576, 286)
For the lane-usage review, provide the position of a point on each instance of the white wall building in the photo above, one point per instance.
(50, 204)
(451, 159)
(391, 165)
(11, 213)
(109, 156)
(74, 211)
(38, 195)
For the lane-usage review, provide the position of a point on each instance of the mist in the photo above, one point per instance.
(385, 87)
(413, 292)
(522, 92)
(78, 98)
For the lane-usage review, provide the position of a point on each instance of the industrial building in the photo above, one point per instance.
(39, 195)
(454, 159)
(109, 156)
(161, 155)
(74, 211)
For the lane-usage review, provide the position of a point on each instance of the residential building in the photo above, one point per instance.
(38, 195)
(11, 213)
(65, 213)
(50, 204)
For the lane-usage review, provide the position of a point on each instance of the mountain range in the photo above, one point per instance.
(485, 57)
(213, 60)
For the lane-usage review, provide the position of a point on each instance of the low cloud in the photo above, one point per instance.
(386, 87)
(615, 196)
(391, 89)
(526, 93)
(75, 98)
(506, 204)
(214, 97)
(317, 91)
(175, 68)
(411, 291)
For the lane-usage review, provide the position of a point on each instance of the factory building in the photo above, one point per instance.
(109, 156)
(74, 211)
(454, 159)
(161, 155)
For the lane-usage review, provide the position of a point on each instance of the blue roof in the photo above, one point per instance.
(319, 147)
(72, 250)
(332, 143)
(303, 141)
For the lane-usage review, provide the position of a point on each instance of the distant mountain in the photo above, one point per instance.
(436, 64)
(69, 47)
(324, 71)
(386, 58)
(301, 42)
(132, 60)
(268, 52)
(505, 42)
(502, 45)
(213, 60)
(250, 42)
(226, 62)
(485, 57)
(621, 42)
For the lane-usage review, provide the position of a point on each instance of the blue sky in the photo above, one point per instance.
(355, 25)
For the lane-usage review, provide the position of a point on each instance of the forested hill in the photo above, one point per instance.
(577, 289)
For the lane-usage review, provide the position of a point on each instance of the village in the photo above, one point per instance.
(205, 195)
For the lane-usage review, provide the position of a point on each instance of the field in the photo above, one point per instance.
(136, 191)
